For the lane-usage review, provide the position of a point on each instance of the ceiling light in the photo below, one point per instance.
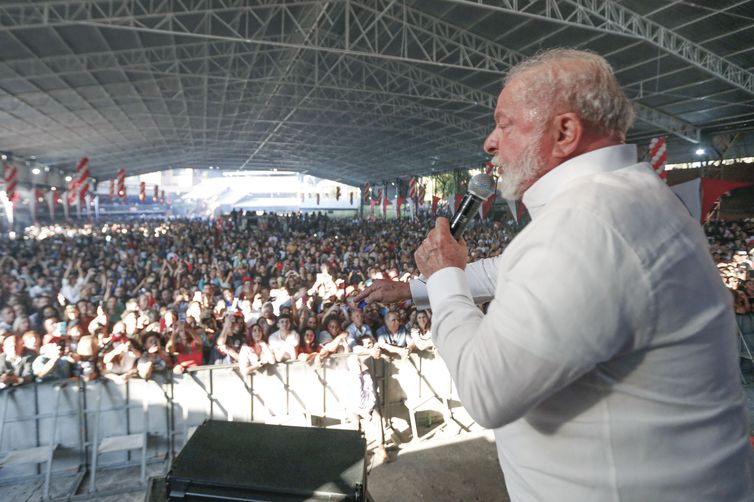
(4, 157)
(47, 169)
(35, 171)
(68, 178)
(53, 188)
(699, 151)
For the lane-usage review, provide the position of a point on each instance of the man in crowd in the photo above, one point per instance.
(394, 338)
(606, 361)
(284, 341)
(357, 328)
(15, 362)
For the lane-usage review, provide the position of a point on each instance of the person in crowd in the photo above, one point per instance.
(421, 333)
(49, 365)
(15, 362)
(393, 338)
(255, 353)
(186, 346)
(86, 359)
(153, 356)
(231, 339)
(285, 341)
(357, 328)
(309, 349)
(119, 360)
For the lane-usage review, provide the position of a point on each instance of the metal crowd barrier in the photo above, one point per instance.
(289, 393)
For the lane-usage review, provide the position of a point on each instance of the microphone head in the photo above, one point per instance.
(482, 186)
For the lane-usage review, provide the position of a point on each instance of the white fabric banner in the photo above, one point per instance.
(691, 195)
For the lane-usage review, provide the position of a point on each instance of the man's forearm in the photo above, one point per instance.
(481, 276)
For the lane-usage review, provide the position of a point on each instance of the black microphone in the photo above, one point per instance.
(481, 187)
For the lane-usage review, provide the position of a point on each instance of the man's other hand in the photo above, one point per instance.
(385, 291)
(440, 250)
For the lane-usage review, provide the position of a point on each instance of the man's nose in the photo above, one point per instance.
(490, 144)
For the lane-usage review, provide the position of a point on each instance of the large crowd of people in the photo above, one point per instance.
(139, 297)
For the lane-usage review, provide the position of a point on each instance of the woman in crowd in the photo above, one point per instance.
(309, 349)
(186, 346)
(254, 353)
(421, 333)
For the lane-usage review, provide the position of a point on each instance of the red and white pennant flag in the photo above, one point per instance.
(80, 183)
(412, 188)
(11, 180)
(122, 184)
(658, 155)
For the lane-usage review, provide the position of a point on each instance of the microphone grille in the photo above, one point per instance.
(482, 186)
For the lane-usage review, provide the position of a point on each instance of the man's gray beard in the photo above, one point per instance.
(513, 176)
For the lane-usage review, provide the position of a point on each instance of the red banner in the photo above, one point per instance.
(142, 192)
(713, 190)
(398, 205)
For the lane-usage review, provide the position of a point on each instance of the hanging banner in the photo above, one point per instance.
(162, 198)
(11, 180)
(122, 184)
(713, 190)
(435, 201)
(156, 195)
(658, 155)
(142, 192)
(365, 193)
(81, 177)
(112, 190)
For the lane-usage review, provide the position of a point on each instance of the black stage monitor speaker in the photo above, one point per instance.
(258, 462)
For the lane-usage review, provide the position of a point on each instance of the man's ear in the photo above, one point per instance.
(568, 129)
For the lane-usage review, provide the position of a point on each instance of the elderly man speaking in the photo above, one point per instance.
(607, 359)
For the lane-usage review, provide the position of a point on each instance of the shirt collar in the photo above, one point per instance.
(609, 158)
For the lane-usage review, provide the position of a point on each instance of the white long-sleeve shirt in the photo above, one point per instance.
(607, 360)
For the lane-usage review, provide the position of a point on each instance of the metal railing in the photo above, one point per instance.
(294, 393)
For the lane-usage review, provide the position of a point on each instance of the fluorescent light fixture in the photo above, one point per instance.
(700, 151)
(68, 178)
(35, 171)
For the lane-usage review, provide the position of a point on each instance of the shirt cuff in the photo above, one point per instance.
(447, 284)
(419, 296)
